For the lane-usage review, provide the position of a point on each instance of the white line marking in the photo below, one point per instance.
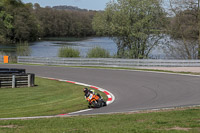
(79, 111)
(82, 84)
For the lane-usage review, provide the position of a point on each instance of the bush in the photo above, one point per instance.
(68, 52)
(98, 52)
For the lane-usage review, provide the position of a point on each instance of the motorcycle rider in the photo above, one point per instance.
(88, 92)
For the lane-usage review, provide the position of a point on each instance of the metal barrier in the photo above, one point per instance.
(108, 62)
(11, 70)
(1, 59)
(16, 80)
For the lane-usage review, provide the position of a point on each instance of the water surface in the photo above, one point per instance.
(51, 48)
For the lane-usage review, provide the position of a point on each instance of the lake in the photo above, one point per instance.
(51, 48)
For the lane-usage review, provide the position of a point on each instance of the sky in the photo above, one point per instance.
(83, 4)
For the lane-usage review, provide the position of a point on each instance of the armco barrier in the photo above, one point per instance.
(11, 71)
(1, 59)
(108, 62)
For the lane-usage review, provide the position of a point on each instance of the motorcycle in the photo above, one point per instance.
(95, 101)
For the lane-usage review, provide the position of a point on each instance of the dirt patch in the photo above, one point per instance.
(179, 129)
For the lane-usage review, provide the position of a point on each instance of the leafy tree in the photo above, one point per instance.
(25, 23)
(5, 25)
(135, 25)
(5, 22)
(17, 22)
(64, 23)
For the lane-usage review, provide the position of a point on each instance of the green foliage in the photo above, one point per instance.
(25, 25)
(64, 23)
(5, 25)
(98, 52)
(6, 19)
(134, 25)
(68, 52)
(99, 24)
(19, 22)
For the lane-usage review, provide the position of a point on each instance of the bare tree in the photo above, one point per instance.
(184, 29)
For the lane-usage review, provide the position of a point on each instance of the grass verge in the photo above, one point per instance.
(177, 121)
(49, 97)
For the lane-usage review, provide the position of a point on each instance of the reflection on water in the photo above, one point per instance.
(51, 48)
(21, 49)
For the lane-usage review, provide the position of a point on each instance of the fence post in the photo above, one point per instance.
(13, 81)
(29, 80)
(32, 80)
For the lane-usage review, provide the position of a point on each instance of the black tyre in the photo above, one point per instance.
(96, 104)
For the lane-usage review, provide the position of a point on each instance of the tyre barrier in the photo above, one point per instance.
(12, 78)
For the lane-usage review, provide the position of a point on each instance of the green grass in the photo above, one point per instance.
(68, 52)
(98, 52)
(47, 98)
(179, 121)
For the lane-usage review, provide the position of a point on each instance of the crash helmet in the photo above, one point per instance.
(85, 90)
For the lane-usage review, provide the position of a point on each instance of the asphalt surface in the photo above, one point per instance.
(133, 90)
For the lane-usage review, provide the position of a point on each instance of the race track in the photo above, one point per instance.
(133, 90)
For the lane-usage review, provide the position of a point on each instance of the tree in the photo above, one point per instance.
(17, 22)
(183, 28)
(64, 23)
(25, 24)
(135, 26)
(5, 23)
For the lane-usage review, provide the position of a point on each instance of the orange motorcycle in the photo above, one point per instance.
(95, 101)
